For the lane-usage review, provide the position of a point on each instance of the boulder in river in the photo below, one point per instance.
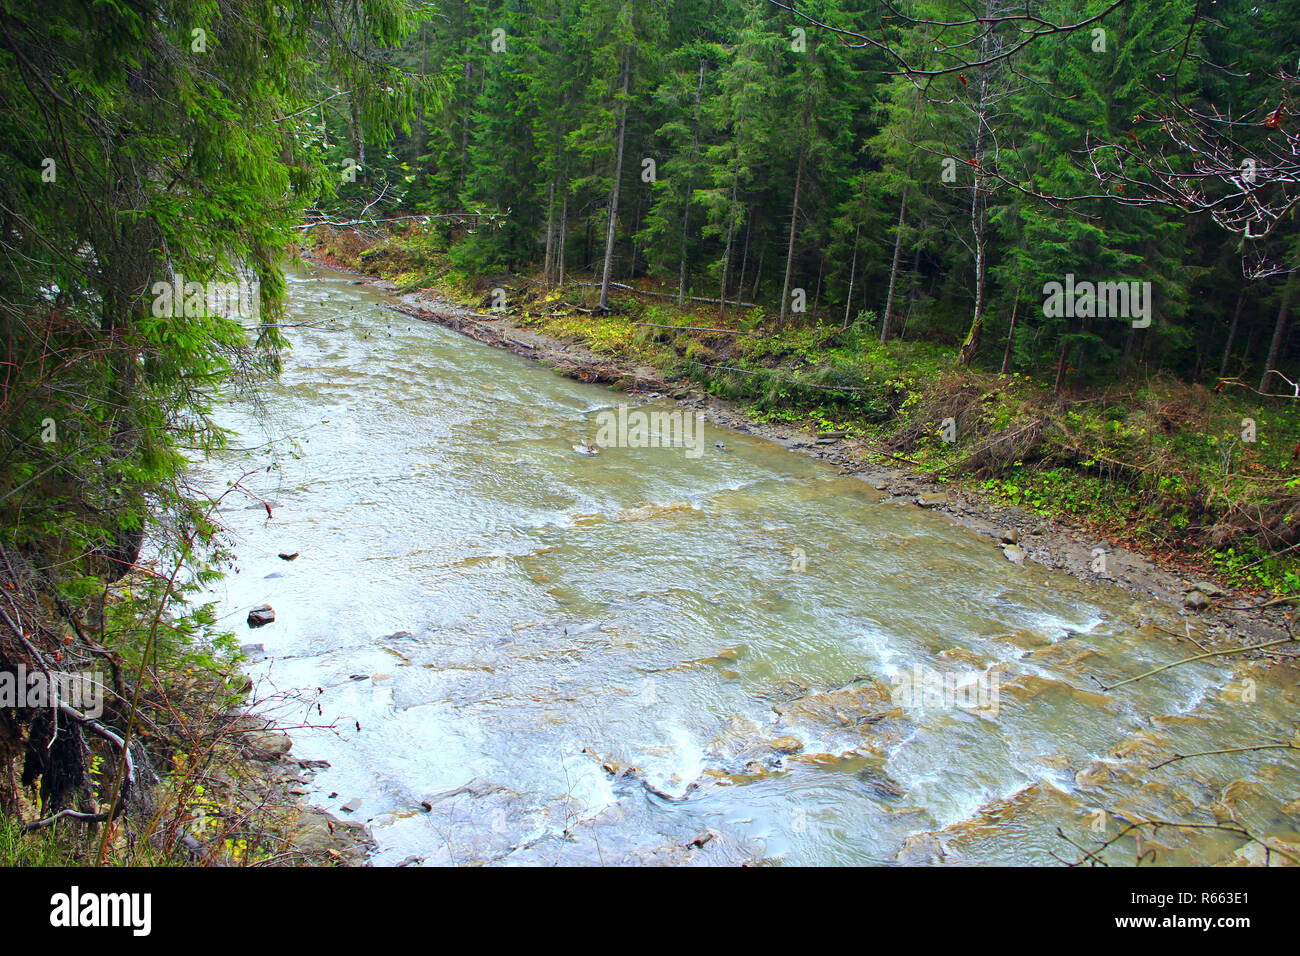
(1014, 553)
(932, 500)
(1195, 600)
(1009, 536)
(261, 616)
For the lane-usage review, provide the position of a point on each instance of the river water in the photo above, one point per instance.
(650, 656)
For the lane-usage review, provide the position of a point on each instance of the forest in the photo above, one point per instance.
(925, 170)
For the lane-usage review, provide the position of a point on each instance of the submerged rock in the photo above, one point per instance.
(1014, 553)
(785, 745)
(921, 848)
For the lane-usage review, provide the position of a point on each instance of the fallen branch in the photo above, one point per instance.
(1225, 750)
(667, 295)
(691, 328)
(1156, 825)
(1197, 657)
(126, 766)
(65, 814)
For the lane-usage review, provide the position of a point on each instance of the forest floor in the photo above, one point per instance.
(1154, 486)
(241, 805)
(215, 784)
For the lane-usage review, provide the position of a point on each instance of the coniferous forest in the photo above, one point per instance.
(933, 165)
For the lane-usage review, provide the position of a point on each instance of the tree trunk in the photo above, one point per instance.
(789, 249)
(465, 126)
(744, 253)
(550, 237)
(358, 139)
(564, 233)
(613, 195)
(1232, 334)
(636, 227)
(1006, 356)
(969, 347)
(853, 270)
(911, 297)
(686, 211)
(731, 223)
(1062, 355)
(987, 44)
(893, 269)
(1279, 330)
(726, 256)
(821, 272)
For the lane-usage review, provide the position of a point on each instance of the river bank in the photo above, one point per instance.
(1234, 617)
(214, 783)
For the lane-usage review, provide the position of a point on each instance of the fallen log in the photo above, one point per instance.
(669, 295)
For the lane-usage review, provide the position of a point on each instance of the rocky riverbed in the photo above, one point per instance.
(518, 652)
